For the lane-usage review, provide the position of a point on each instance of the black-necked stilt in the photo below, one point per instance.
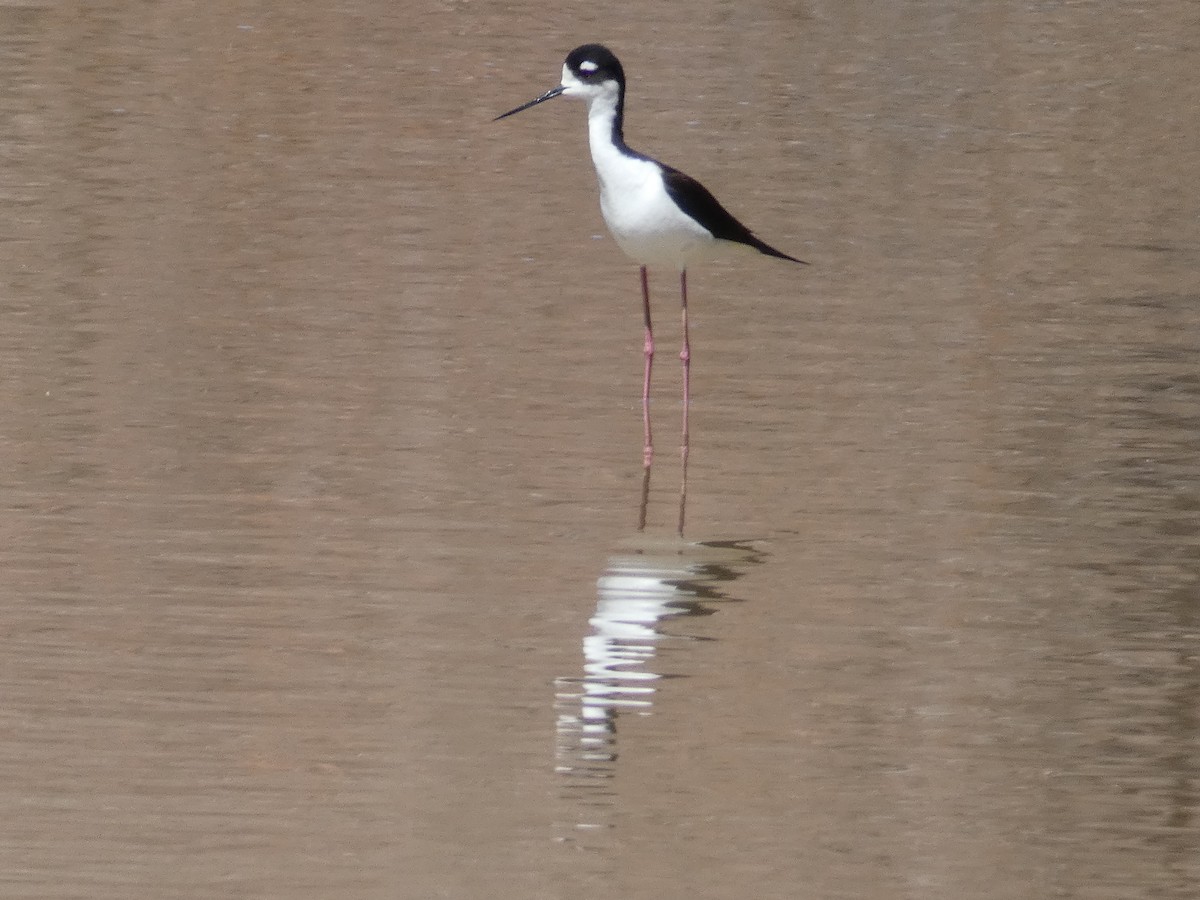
(657, 214)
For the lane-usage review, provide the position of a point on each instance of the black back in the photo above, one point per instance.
(698, 202)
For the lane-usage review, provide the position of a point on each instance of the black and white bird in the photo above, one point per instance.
(658, 215)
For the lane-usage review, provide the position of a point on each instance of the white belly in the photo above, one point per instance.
(647, 224)
(643, 219)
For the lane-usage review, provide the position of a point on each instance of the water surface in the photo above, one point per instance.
(319, 537)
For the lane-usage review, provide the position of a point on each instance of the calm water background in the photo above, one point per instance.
(321, 456)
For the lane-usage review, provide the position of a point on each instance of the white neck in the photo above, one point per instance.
(615, 170)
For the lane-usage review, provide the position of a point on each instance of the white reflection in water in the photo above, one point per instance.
(650, 584)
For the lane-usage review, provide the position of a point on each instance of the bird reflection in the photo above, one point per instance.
(644, 505)
(649, 587)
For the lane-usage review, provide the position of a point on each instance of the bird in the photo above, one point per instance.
(658, 215)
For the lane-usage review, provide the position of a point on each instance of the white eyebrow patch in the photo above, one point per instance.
(588, 66)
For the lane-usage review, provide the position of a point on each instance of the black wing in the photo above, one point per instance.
(696, 200)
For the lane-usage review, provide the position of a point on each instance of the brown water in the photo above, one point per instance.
(321, 447)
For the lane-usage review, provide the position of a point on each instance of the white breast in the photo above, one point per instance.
(643, 219)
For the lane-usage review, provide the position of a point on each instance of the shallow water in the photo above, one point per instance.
(319, 535)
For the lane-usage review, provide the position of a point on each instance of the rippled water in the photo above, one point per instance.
(319, 531)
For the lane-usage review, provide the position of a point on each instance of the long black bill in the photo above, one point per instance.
(549, 95)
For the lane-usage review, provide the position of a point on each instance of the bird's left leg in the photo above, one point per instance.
(685, 356)
(648, 353)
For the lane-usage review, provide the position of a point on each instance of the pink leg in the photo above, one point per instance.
(648, 349)
(685, 355)
(683, 495)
